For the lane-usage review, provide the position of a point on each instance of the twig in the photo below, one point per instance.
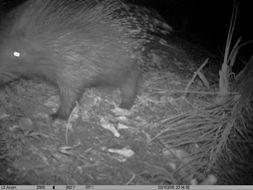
(131, 179)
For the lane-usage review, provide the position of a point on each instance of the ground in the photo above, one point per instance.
(100, 144)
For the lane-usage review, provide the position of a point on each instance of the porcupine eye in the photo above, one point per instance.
(16, 54)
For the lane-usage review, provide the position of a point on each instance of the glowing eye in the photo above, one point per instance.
(16, 54)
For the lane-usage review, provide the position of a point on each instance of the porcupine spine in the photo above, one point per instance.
(77, 44)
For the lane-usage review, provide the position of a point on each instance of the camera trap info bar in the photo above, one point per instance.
(124, 187)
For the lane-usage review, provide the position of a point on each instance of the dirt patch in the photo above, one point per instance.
(101, 144)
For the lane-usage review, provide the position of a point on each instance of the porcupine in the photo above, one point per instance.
(78, 44)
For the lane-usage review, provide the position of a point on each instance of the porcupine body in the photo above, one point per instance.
(78, 44)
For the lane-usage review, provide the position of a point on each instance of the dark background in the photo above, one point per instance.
(204, 22)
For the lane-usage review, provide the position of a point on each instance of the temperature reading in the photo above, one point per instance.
(40, 187)
(70, 187)
(89, 187)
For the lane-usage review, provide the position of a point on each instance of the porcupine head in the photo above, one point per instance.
(73, 49)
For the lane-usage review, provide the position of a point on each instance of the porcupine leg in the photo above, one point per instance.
(68, 99)
(70, 92)
(129, 90)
